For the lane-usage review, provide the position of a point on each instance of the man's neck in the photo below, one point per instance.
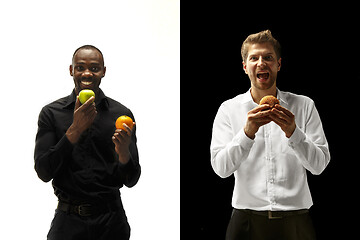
(258, 94)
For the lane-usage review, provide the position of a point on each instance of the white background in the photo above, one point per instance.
(140, 43)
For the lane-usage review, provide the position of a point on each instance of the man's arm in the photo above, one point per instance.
(50, 153)
(228, 151)
(310, 145)
(129, 169)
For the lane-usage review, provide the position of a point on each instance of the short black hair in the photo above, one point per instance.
(89, 47)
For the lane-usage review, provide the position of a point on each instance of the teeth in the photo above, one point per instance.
(263, 75)
(86, 83)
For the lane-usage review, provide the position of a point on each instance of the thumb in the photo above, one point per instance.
(77, 103)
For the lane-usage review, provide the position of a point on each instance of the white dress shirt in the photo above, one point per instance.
(270, 171)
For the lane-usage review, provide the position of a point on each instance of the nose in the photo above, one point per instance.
(261, 62)
(87, 74)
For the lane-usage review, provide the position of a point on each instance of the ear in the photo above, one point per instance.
(279, 64)
(71, 70)
(104, 72)
(245, 67)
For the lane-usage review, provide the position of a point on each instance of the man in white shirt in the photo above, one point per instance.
(268, 150)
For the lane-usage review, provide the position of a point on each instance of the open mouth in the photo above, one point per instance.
(86, 83)
(263, 76)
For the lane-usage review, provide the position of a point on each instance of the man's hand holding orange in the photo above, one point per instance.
(122, 138)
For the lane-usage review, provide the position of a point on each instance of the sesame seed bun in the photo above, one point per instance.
(271, 100)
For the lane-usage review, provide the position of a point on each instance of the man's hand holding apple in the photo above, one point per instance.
(84, 116)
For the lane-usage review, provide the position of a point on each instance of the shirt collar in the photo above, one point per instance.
(279, 94)
(103, 101)
(247, 97)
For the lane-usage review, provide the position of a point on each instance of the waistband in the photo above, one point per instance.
(87, 209)
(275, 214)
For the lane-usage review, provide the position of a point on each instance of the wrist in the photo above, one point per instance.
(124, 158)
(249, 134)
(73, 134)
(290, 132)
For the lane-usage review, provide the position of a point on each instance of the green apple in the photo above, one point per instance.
(85, 94)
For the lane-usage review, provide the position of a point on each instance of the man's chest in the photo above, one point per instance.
(102, 128)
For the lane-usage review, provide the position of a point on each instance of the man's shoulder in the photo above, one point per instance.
(116, 106)
(55, 108)
(57, 104)
(291, 98)
(115, 102)
(239, 99)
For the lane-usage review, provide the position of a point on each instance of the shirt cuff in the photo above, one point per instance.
(296, 137)
(125, 165)
(242, 139)
(64, 145)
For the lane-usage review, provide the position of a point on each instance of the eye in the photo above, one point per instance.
(253, 58)
(94, 69)
(268, 58)
(79, 68)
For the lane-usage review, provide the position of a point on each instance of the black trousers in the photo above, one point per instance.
(245, 225)
(107, 226)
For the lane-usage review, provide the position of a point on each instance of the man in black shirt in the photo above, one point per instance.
(78, 147)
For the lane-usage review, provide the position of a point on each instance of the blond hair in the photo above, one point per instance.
(261, 37)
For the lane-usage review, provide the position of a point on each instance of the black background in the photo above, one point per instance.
(320, 59)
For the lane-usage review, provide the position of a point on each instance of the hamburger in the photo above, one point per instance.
(271, 100)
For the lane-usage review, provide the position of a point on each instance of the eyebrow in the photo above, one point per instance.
(267, 53)
(82, 63)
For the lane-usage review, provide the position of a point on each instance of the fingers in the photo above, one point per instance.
(89, 101)
(259, 116)
(263, 114)
(127, 129)
(260, 108)
(87, 108)
(121, 133)
(281, 108)
(90, 110)
(91, 114)
(88, 105)
(281, 114)
(284, 118)
(121, 136)
(77, 103)
(84, 115)
(278, 120)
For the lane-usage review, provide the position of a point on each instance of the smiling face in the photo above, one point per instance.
(87, 70)
(261, 66)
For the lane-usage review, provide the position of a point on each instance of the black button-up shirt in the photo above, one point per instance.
(88, 171)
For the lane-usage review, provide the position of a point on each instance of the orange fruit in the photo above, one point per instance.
(124, 119)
